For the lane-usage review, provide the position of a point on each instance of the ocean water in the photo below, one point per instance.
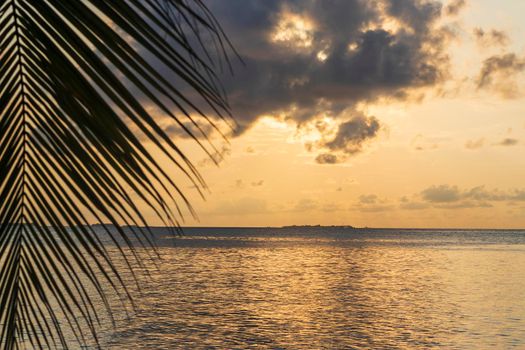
(330, 288)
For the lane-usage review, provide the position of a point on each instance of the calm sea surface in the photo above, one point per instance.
(331, 288)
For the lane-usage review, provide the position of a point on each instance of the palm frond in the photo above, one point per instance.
(75, 80)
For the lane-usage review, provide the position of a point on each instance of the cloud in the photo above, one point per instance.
(331, 207)
(454, 7)
(352, 134)
(452, 197)
(423, 143)
(348, 139)
(305, 204)
(508, 142)
(258, 183)
(239, 183)
(371, 203)
(414, 205)
(310, 58)
(475, 144)
(498, 73)
(441, 194)
(464, 205)
(375, 208)
(491, 38)
(368, 199)
(327, 158)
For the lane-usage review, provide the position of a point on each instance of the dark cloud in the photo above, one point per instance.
(258, 183)
(499, 73)
(454, 7)
(352, 134)
(491, 38)
(508, 142)
(348, 140)
(316, 57)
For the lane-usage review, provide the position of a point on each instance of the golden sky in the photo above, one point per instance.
(420, 122)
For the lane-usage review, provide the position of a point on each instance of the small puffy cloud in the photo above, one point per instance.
(489, 38)
(454, 7)
(371, 203)
(305, 204)
(475, 144)
(423, 143)
(327, 158)
(508, 142)
(239, 183)
(498, 73)
(368, 199)
(331, 207)
(441, 194)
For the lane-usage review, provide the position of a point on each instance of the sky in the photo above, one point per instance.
(385, 113)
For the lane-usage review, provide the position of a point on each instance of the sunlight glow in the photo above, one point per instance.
(294, 30)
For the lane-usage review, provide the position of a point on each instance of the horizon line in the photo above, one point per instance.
(330, 226)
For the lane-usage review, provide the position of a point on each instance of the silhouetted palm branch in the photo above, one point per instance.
(76, 78)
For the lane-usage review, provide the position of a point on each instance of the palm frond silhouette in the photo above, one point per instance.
(76, 80)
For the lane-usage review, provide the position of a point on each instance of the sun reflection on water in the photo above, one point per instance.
(330, 294)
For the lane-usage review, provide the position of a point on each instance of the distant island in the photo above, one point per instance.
(320, 226)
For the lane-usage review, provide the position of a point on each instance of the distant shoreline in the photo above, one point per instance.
(347, 227)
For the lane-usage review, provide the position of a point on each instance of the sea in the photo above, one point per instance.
(329, 288)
